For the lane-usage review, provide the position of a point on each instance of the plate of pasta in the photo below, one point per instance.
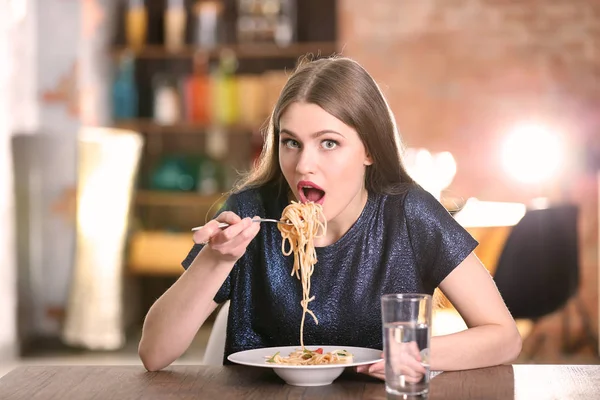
(311, 366)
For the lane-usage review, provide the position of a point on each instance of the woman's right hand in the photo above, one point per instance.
(230, 243)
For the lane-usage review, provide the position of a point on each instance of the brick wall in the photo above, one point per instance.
(460, 73)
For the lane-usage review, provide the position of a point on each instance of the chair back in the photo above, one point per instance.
(538, 269)
(215, 348)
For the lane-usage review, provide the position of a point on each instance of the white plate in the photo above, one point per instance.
(305, 375)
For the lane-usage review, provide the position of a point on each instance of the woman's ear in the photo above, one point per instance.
(368, 160)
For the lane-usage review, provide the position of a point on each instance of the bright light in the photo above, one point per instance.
(476, 213)
(18, 10)
(532, 154)
(434, 172)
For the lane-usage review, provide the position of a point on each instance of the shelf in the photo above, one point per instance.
(158, 253)
(245, 51)
(177, 199)
(149, 126)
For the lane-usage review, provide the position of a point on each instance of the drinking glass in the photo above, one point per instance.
(406, 322)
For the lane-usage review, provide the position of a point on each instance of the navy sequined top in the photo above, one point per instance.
(400, 244)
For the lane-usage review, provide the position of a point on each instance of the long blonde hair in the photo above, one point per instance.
(345, 90)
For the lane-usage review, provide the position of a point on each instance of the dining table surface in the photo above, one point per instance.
(82, 382)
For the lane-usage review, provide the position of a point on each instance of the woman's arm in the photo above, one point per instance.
(174, 319)
(492, 337)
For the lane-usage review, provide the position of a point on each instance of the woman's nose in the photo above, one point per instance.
(307, 162)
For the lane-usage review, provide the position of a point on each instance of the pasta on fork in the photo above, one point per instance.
(307, 223)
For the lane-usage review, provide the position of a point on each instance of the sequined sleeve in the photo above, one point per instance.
(224, 292)
(439, 243)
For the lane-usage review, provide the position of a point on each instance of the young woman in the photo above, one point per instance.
(332, 140)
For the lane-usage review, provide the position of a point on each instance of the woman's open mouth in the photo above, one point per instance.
(309, 191)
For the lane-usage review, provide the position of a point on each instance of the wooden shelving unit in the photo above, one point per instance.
(163, 218)
(151, 127)
(176, 199)
(242, 51)
(158, 252)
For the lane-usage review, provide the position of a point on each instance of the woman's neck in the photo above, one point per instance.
(338, 226)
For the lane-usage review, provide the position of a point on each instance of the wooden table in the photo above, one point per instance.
(237, 382)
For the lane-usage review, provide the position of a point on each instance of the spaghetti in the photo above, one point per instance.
(307, 223)
(313, 357)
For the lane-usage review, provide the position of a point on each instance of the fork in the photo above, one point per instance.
(225, 224)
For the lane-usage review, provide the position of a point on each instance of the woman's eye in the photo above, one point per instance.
(291, 143)
(329, 144)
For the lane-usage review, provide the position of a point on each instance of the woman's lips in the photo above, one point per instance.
(304, 199)
(309, 191)
(311, 184)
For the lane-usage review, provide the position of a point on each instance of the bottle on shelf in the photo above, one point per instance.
(167, 100)
(266, 21)
(251, 92)
(175, 24)
(196, 91)
(174, 172)
(224, 89)
(208, 28)
(136, 24)
(124, 90)
(210, 177)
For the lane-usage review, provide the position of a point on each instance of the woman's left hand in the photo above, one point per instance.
(376, 370)
(407, 363)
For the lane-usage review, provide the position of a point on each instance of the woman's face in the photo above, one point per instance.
(323, 160)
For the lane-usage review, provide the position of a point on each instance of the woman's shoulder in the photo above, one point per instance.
(414, 206)
(253, 201)
(409, 198)
(245, 195)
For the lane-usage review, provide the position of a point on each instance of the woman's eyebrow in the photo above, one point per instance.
(316, 134)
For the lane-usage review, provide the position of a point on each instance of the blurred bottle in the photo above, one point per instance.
(208, 30)
(284, 31)
(175, 23)
(246, 25)
(167, 101)
(270, 21)
(196, 89)
(251, 92)
(136, 24)
(175, 172)
(124, 90)
(224, 89)
(210, 177)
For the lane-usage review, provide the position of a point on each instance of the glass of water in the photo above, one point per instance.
(406, 322)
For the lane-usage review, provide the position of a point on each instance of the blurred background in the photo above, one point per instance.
(124, 123)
